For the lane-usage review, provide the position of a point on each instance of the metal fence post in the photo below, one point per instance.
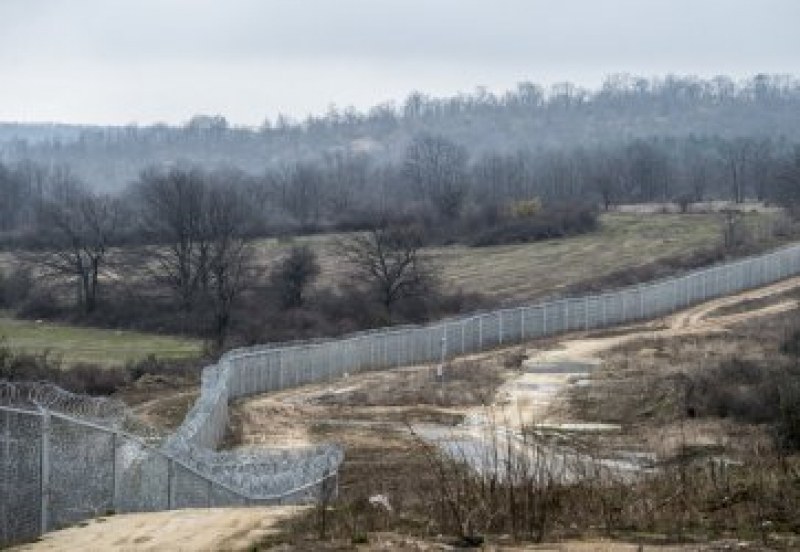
(371, 352)
(116, 473)
(705, 285)
(280, 369)
(622, 310)
(170, 484)
(544, 319)
(4, 514)
(480, 332)
(585, 313)
(500, 327)
(675, 294)
(641, 303)
(604, 310)
(45, 472)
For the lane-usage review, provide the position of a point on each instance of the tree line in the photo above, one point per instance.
(529, 118)
(439, 181)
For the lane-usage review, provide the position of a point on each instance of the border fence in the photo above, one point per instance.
(261, 369)
(57, 469)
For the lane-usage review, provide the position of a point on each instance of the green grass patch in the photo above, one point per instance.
(75, 345)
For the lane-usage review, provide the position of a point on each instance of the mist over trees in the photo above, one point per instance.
(436, 183)
(530, 118)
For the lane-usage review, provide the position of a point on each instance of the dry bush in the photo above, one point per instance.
(87, 378)
(522, 495)
(80, 378)
(15, 286)
(556, 221)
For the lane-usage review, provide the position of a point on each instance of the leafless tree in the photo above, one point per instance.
(733, 229)
(303, 191)
(787, 185)
(77, 231)
(172, 214)
(737, 155)
(436, 167)
(229, 254)
(388, 259)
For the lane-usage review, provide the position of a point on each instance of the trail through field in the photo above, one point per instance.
(529, 398)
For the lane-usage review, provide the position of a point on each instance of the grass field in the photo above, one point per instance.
(75, 345)
(504, 274)
(514, 273)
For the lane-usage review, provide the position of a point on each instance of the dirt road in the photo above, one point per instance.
(230, 529)
(529, 397)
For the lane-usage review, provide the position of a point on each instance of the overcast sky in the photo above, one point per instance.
(121, 61)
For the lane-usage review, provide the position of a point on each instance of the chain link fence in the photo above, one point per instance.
(261, 369)
(56, 469)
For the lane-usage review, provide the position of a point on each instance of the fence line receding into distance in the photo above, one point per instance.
(42, 454)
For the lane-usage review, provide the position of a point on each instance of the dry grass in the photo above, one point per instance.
(720, 480)
(527, 271)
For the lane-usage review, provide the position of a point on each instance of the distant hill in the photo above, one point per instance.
(527, 118)
(36, 133)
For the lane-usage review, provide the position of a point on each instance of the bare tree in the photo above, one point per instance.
(437, 168)
(737, 154)
(303, 191)
(787, 183)
(733, 229)
(293, 276)
(388, 259)
(229, 254)
(77, 231)
(172, 214)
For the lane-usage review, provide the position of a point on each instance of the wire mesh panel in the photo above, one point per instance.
(453, 343)
(142, 478)
(81, 466)
(220, 496)
(470, 330)
(512, 326)
(490, 330)
(20, 476)
(576, 314)
(189, 490)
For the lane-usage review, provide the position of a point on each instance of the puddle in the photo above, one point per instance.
(489, 444)
(503, 454)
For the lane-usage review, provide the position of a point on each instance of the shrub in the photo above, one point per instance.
(525, 208)
(788, 426)
(82, 378)
(292, 277)
(743, 390)
(15, 286)
(553, 222)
